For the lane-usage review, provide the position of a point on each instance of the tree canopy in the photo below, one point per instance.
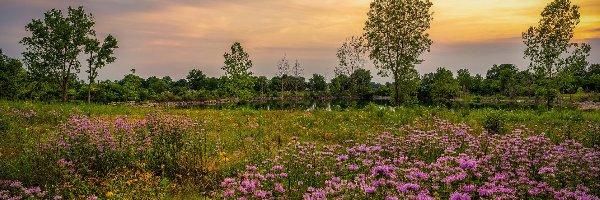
(396, 35)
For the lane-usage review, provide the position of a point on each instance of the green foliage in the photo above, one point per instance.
(340, 85)
(548, 45)
(501, 79)
(317, 83)
(196, 79)
(55, 43)
(12, 77)
(396, 34)
(99, 56)
(238, 81)
(361, 79)
(494, 122)
(439, 87)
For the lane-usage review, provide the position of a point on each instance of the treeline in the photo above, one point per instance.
(57, 44)
(441, 86)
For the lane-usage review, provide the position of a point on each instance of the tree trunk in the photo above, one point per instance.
(396, 92)
(89, 98)
(64, 88)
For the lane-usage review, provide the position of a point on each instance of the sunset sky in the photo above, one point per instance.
(172, 37)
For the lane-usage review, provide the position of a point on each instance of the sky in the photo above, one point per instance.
(169, 38)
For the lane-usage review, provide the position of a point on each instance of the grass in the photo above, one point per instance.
(224, 141)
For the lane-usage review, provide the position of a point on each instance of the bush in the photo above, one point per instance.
(494, 122)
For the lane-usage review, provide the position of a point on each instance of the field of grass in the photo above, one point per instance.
(80, 151)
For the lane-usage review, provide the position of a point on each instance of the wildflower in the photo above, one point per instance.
(342, 158)
(260, 194)
(277, 168)
(251, 168)
(460, 196)
(370, 190)
(279, 188)
(229, 193)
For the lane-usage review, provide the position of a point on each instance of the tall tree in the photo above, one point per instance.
(396, 34)
(351, 56)
(99, 56)
(283, 71)
(548, 44)
(237, 72)
(55, 44)
(298, 80)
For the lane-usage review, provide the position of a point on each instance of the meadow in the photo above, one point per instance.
(89, 151)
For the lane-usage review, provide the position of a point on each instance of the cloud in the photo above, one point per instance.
(171, 37)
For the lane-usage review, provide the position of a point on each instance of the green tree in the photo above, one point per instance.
(12, 77)
(502, 79)
(464, 80)
(340, 85)
(570, 76)
(261, 85)
(196, 79)
(548, 44)
(361, 82)
(351, 56)
(439, 87)
(156, 87)
(238, 80)
(317, 83)
(132, 87)
(55, 44)
(396, 35)
(592, 78)
(99, 56)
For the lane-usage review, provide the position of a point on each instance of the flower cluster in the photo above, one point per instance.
(10, 189)
(432, 159)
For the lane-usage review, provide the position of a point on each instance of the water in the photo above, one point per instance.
(344, 104)
(307, 104)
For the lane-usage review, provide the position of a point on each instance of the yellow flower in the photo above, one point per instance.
(109, 194)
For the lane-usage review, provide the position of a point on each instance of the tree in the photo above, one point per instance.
(395, 31)
(196, 79)
(238, 80)
(298, 80)
(133, 89)
(439, 87)
(502, 78)
(351, 56)
(283, 70)
(100, 55)
(55, 44)
(317, 83)
(592, 78)
(548, 44)
(570, 76)
(464, 80)
(361, 82)
(340, 85)
(12, 77)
